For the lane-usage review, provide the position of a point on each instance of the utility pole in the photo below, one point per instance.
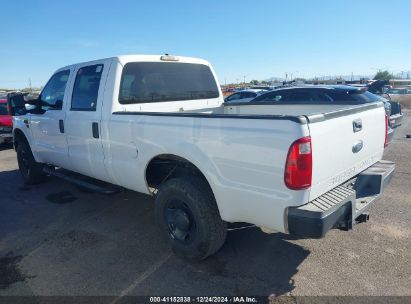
(30, 84)
(243, 76)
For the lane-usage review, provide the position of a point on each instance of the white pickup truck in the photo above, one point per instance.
(158, 125)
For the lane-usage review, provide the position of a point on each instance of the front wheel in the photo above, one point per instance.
(31, 171)
(188, 216)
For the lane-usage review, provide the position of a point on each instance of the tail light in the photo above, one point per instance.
(298, 167)
(386, 131)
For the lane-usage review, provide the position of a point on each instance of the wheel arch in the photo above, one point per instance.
(18, 137)
(162, 167)
(165, 166)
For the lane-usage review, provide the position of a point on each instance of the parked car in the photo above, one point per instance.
(325, 95)
(159, 125)
(244, 95)
(398, 91)
(401, 95)
(395, 111)
(6, 123)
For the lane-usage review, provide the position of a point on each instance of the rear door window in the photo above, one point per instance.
(145, 82)
(86, 86)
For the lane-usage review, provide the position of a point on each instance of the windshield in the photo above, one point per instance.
(3, 95)
(3, 109)
(143, 82)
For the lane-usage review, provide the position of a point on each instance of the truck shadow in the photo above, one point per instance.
(55, 217)
(257, 263)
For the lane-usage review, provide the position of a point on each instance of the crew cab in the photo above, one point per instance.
(158, 125)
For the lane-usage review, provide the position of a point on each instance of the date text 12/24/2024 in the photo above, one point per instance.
(204, 299)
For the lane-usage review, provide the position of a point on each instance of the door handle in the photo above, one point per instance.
(61, 126)
(357, 125)
(94, 127)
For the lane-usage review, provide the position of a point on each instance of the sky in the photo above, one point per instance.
(242, 39)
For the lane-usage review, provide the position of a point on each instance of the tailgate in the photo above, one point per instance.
(344, 143)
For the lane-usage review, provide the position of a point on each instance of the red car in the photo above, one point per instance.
(6, 121)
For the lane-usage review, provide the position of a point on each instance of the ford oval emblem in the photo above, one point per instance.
(357, 146)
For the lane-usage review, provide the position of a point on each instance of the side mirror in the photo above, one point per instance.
(58, 104)
(16, 104)
(33, 104)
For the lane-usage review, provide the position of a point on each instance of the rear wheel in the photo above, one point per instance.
(31, 171)
(188, 216)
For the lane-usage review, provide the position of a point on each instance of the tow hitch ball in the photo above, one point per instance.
(363, 218)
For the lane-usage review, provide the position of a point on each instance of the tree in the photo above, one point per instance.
(383, 75)
(254, 82)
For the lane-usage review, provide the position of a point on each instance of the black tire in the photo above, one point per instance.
(31, 171)
(188, 216)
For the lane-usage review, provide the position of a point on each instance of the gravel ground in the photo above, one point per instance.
(58, 240)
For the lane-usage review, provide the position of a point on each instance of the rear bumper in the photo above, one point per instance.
(341, 206)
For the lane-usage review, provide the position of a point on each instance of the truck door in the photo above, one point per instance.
(83, 119)
(47, 123)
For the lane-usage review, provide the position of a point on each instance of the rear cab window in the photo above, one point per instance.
(147, 82)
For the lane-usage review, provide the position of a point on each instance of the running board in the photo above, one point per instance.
(80, 180)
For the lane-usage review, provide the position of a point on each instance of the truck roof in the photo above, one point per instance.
(123, 59)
